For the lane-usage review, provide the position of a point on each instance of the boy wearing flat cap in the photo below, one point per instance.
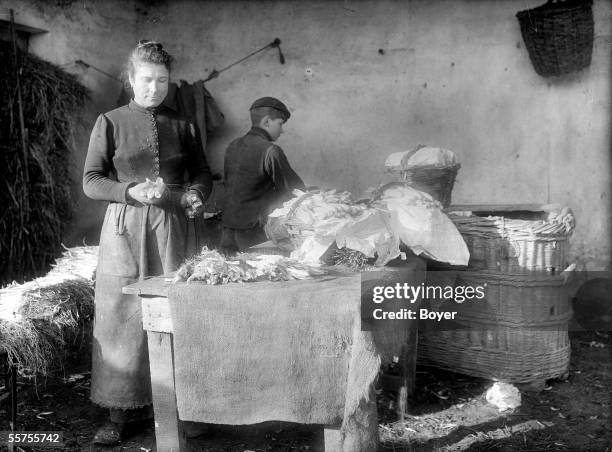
(258, 177)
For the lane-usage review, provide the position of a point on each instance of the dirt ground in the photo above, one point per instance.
(447, 413)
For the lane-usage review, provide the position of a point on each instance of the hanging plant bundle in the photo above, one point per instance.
(36, 192)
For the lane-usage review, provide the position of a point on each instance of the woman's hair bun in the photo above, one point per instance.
(146, 43)
(148, 52)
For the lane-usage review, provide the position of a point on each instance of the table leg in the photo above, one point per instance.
(168, 435)
(332, 438)
(407, 378)
(13, 385)
(12, 381)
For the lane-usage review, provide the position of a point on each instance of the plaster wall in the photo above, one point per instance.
(367, 78)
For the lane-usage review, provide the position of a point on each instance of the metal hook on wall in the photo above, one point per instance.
(274, 44)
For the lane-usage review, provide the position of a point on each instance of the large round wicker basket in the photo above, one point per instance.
(510, 245)
(517, 333)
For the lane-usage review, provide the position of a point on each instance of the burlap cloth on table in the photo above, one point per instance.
(287, 351)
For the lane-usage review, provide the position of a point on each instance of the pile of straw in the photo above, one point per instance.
(35, 192)
(43, 319)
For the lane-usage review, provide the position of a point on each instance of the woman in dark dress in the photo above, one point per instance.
(144, 230)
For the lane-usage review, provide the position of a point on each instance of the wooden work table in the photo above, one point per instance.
(157, 320)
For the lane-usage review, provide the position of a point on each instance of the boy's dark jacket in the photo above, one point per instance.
(258, 178)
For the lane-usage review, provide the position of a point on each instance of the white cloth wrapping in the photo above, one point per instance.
(421, 224)
(370, 233)
(401, 213)
(423, 156)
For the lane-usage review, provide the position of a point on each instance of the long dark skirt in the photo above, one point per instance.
(135, 242)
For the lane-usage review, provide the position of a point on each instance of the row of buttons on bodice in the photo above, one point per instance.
(155, 145)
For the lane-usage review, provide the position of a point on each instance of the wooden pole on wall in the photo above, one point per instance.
(22, 128)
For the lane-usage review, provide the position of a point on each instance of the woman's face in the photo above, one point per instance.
(149, 83)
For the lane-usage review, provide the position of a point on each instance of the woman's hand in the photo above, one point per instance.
(192, 203)
(149, 192)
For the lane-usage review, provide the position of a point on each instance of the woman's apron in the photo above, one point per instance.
(135, 242)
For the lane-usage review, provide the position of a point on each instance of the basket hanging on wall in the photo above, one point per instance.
(558, 36)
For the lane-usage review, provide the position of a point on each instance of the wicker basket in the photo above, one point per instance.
(510, 245)
(298, 231)
(518, 333)
(558, 36)
(451, 350)
(438, 181)
(289, 231)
